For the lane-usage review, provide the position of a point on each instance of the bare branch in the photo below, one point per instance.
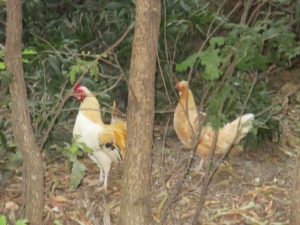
(59, 106)
(209, 173)
(119, 41)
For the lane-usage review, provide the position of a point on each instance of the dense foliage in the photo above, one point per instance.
(230, 48)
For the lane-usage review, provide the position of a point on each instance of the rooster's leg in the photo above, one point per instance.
(104, 175)
(105, 180)
(101, 176)
(104, 163)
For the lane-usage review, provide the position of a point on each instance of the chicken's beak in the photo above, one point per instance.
(77, 96)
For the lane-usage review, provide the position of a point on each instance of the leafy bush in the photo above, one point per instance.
(233, 61)
(227, 51)
(18, 222)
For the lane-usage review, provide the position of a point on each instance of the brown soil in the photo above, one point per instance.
(253, 188)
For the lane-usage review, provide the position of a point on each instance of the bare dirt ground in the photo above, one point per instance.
(254, 189)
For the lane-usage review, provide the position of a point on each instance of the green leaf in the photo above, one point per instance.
(260, 62)
(253, 61)
(57, 222)
(25, 61)
(74, 70)
(77, 174)
(215, 121)
(212, 61)
(3, 140)
(83, 66)
(85, 148)
(73, 150)
(294, 52)
(217, 41)
(94, 71)
(2, 220)
(22, 222)
(2, 66)
(29, 51)
(104, 55)
(189, 62)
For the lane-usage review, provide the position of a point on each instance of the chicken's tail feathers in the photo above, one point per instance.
(239, 128)
(116, 114)
(246, 123)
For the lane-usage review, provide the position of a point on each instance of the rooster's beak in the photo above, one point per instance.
(77, 96)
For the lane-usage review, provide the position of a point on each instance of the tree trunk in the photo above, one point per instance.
(33, 176)
(295, 197)
(135, 202)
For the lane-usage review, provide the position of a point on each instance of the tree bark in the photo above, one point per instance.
(135, 202)
(33, 176)
(295, 195)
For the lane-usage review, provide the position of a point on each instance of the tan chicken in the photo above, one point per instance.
(107, 141)
(186, 120)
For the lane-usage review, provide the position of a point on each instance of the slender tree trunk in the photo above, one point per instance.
(33, 176)
(135, 202)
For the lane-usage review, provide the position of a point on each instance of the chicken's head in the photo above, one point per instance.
(182, 86)
(80, 92)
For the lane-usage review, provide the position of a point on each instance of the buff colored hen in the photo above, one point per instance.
(186, 120)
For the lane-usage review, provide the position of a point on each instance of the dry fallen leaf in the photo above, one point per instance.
(11, 206)
(58, 201)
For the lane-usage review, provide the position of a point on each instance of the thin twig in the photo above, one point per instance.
(195, 141)
(125, 78)
(165, 35)
(119, 41)
(255, 13)
(162, 77)
(68, 95)
(164, 142)
(245, 14)
(179, 182)
(51, 125)
(54, 108)
(208, 176)
(170, 63)
(208, 37)
(111, 87)
(197, 134)
(215, 18)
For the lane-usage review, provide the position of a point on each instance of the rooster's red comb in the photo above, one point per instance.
(77, 86)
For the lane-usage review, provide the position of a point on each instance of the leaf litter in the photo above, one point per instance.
(254, 190)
